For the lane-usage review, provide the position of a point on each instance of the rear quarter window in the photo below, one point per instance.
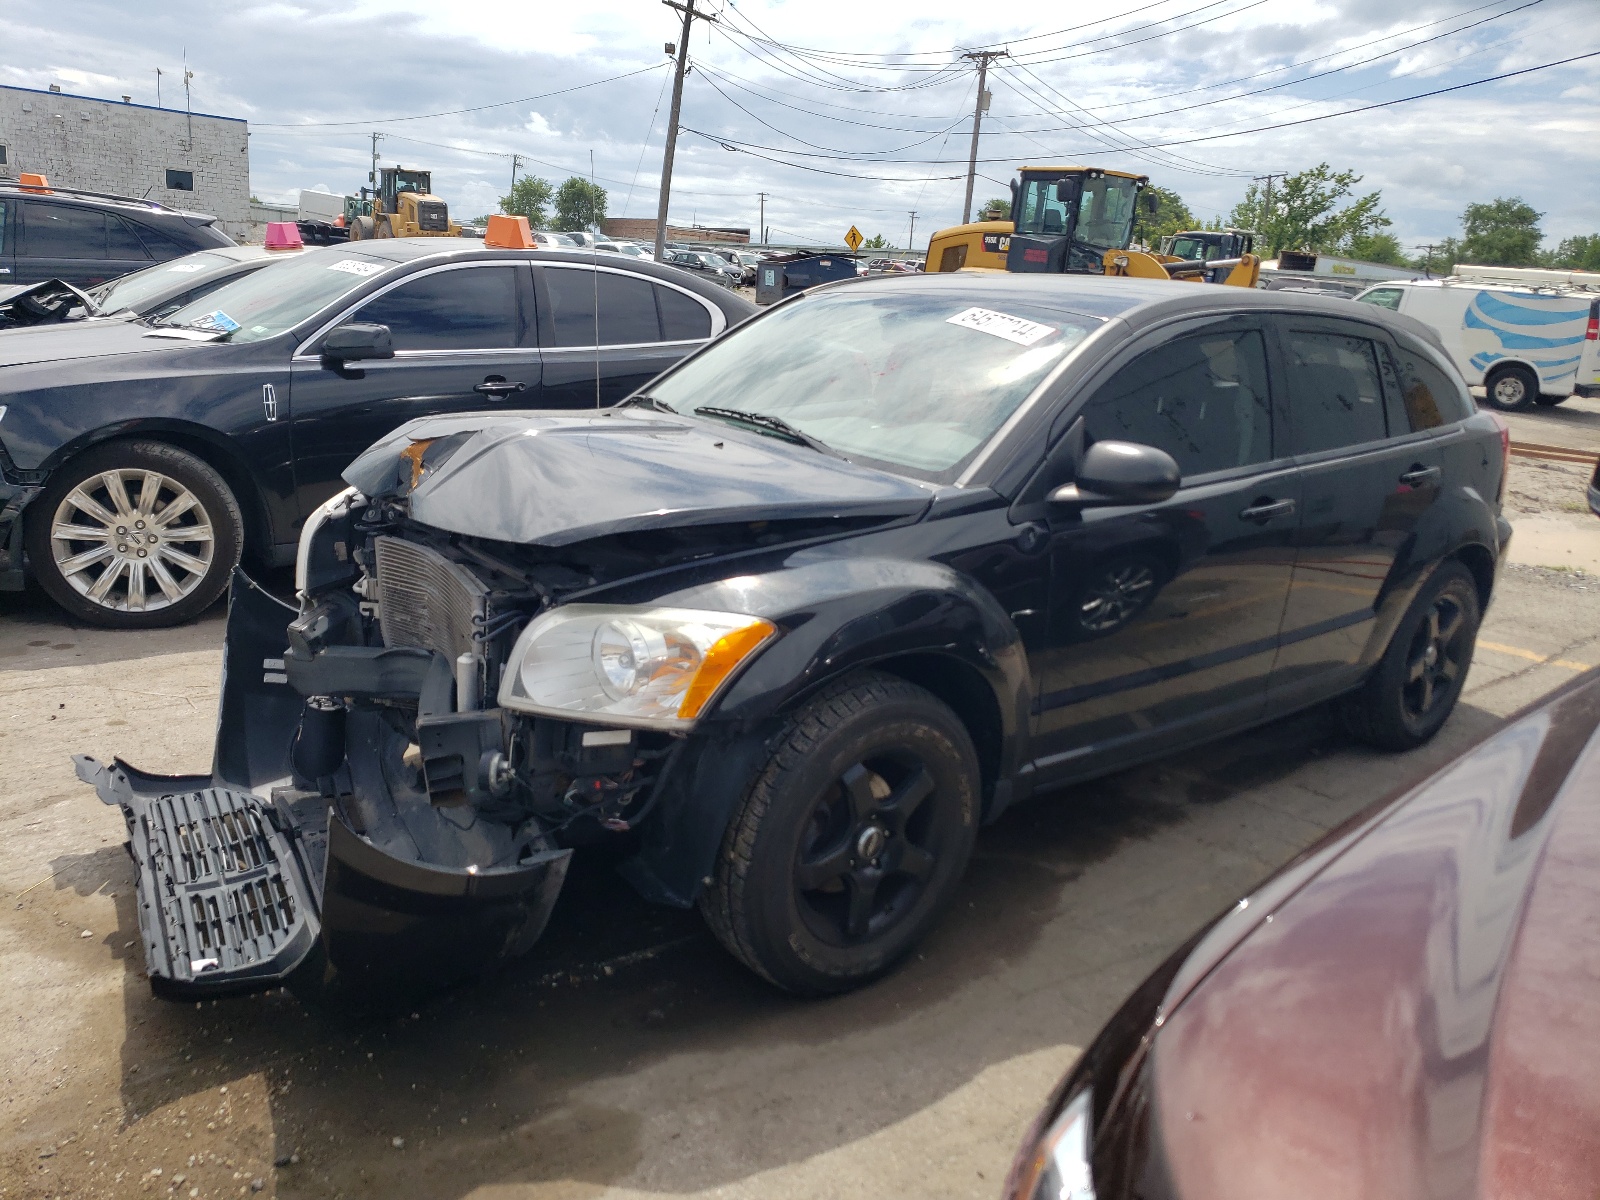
(1429, 397)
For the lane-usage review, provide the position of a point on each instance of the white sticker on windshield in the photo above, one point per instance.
(354, 266)
(1003, 325)
(219, 321)
(185, 268)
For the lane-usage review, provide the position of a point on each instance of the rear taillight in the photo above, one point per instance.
(1505, 454)
(1592, 334)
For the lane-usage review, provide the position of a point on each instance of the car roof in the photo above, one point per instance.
(130, 204)
(1138, 301)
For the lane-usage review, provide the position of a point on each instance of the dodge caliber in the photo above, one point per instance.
(805, 611)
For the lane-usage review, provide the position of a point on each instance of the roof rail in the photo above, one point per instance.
(54, 189)
(1536, 277)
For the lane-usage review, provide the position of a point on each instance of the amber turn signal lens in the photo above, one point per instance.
(723, 656)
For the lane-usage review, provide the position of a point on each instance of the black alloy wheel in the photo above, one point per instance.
(1415, 686)
(850, 839)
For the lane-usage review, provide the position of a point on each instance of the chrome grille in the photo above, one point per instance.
(425, 600)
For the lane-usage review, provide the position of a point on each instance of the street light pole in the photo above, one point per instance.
(982, 58)
(689, 14)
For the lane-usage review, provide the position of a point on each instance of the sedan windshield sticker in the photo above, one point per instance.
(354, 266)
(186, 268)
(219, 321)
(1003, 325)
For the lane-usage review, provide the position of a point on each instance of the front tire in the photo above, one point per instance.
(1416, 684)
(135, 535)
(1511, 389)
(850, 841)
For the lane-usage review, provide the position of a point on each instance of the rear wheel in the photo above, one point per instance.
(135, 535)
(1416, 684)
(362, 229)
(851, 840)
(1511, 389)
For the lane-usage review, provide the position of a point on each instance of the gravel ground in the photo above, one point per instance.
(1543, 488)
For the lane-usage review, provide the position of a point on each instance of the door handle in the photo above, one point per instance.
(498, 388)
(1265, 510)
(1420, 475)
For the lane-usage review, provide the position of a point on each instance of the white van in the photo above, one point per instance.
(1526, 343)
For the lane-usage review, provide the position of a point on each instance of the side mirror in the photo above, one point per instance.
(1121, 473)
(348, 343)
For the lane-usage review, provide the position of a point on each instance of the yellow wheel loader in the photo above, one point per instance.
(402, 205)
(1076, 220)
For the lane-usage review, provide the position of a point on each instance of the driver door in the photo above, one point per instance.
(1163, 619)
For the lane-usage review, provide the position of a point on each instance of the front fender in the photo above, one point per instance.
(836, 616)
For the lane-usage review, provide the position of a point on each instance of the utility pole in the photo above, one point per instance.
(982, 58)
(911, 239)
(516, 159)
(1266, 207)
(689, 14)
(1427, 263)
(372, 176)
(761, 227)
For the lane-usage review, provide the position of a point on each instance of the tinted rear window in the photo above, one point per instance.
(61, 231)
(1428, 395)
(1335, 391)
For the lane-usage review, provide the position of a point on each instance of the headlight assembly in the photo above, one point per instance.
(657, 667)
(1058, 1167)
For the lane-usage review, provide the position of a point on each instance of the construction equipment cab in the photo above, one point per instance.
(402, 205)
(1207, 244)
(1066, 218)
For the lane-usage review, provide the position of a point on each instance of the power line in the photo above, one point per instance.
(455, 112)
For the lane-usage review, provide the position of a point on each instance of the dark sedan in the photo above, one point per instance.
(1408, 1009)
(789, 625)
(139, 457)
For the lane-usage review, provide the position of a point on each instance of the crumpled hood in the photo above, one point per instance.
(74, 340)
(41, 303)
(553, 479)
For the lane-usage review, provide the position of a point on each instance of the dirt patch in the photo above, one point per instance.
(1534, 487)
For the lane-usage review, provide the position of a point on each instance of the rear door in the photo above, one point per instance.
(463, 341)
(604, 332)
(71, 242)
(1363, 428)
(1163, 620)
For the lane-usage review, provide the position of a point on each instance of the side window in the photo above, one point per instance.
(3, 211)
(626, 307)
(121, 239)
(1383, 298)
(60, 231)
(1428, 397)
(1335, 391)
(471, 308)
(682, 318)
(1202, 398)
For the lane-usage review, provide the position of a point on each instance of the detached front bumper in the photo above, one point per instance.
(13, 499)
(246, 882)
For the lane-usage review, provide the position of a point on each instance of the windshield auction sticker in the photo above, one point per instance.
(218, 321)
(354, 266)
(1002, 325)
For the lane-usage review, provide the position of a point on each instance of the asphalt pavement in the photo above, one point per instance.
(629, 1056)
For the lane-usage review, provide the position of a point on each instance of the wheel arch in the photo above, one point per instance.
(1478, 559)
(206, 445)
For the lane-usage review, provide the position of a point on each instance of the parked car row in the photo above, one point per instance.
(141, 457)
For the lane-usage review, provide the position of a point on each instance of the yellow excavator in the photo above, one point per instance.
(1077, 220)
(401, 205)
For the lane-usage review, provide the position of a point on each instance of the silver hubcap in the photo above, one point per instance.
(132, 540)
(1508, 390)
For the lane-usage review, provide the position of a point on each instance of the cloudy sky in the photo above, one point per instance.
(860, 113)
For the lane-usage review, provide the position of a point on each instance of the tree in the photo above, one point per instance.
(1376, 248)
(1172, 215)
(998, 209)
(528, 198)
(1503, 233)
(1581, 253)
(876, 242)
(579, 204)
(1305, 212)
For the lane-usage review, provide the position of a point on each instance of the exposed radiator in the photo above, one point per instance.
(427, 601)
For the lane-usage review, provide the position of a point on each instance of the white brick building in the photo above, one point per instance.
(200, 163)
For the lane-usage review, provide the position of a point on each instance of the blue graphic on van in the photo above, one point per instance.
(1483, 329)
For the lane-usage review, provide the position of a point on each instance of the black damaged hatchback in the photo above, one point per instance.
(798, 618)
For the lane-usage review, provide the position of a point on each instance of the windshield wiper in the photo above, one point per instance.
(767, 423)
(648, 402)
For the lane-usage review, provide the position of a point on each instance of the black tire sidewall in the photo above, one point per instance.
(791, 954)
(1530, 388)
(1385, 692)
(210, 489)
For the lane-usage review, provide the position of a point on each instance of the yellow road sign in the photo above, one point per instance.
(853, 239)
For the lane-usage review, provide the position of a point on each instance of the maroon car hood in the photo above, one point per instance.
(1419, 1018)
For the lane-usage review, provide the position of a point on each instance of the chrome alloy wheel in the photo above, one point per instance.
(132, 540)
(1117, 597)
